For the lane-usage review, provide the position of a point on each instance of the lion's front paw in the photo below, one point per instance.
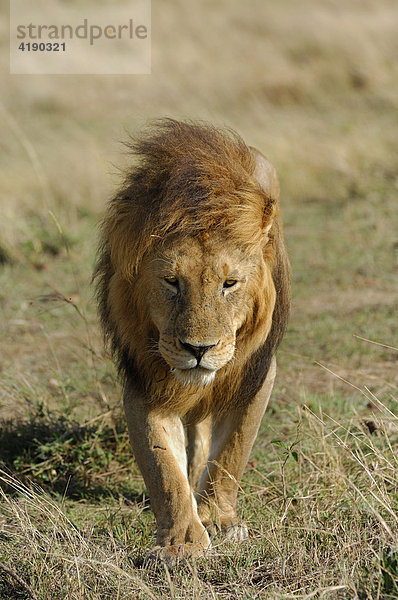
(172, 555)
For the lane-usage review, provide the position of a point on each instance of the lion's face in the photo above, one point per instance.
(198, 299)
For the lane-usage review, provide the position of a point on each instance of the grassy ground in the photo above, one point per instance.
(315, 86)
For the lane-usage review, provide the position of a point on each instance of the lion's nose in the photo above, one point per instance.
(197, 351)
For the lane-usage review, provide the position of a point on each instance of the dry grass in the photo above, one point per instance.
(321, 503)
(315, 86)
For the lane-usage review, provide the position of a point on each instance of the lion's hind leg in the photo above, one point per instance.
(198, 450)
(233, 436)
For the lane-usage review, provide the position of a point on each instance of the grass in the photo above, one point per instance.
(321, 502)
(315, 87)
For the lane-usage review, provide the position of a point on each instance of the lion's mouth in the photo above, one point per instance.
(197, 376)
(198, 366)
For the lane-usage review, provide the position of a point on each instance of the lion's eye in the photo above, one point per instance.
(172, 280)
(228, 283)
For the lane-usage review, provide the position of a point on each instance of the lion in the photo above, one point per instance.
(192, 283)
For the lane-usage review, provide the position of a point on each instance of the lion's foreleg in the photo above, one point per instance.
(232, 439)
(159, 448)
(198, 450)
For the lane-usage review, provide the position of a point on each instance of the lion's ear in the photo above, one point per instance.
(265, 175)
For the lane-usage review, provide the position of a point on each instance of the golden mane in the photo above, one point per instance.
(189, 179)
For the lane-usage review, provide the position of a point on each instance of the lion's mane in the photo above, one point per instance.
(188, 179)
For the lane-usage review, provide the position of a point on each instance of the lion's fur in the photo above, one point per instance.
(190, 180)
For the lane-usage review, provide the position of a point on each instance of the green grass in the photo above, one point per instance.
(313, 85)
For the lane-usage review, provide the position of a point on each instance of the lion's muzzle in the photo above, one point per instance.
(197, 351)
(195, 363)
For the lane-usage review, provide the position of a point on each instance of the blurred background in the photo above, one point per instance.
(314, 85)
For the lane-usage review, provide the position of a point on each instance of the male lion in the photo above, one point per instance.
(193, 292)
